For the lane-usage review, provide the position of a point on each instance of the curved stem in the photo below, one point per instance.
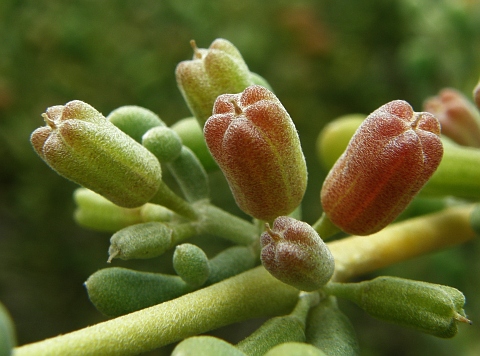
(325, 228)
(167, 198)
(255, 293)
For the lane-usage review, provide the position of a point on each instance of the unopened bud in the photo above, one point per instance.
(430, 308)
(458, 117)
(293, 252)
(255, 143)
(214, 71)
(81, 145)
(389, 159)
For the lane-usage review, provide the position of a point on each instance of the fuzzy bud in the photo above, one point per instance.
(255, 143)
(388, 160)
(431, 308)
(214, 71)
(293, 252)
(81, 145)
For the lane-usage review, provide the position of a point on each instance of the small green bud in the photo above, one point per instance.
(205, 346)
(191, 264)
(7, 332)
(81, 145)
(389, 159)
(147, 240)
(163, 142)
(220, 69)
(431, 308)
(330, 330)
(96, 212)
(191, 134)
(295, 349)
(293, 252)
(190, 175)
(134, 120)
(144, 240)
(155, 212)
(255, 143)
(116, 291)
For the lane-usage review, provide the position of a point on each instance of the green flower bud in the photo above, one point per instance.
(191, 134)
(458, 117)
(295, 349)
(147, 240)
(191, 264)
(431, 308)
(205, 346)
(330, 330)
(220, 69)
(190, 175)
(95, 212)
(389, 159)
(280, 329)
(7, 332)
(293, 252)
(134, 120)
(116, 291)
(81, 145)
(255, 143)
(163, 142)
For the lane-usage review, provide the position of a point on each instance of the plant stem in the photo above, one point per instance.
(398, 242)
(255, 293)
(220, 223)
(167, 198)
(325, 228)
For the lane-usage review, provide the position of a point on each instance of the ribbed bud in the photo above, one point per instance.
(81, 145)
(458, 117)
(214, 71)
(293, 252)
(431, 308)
(255, 143)
(391, 156)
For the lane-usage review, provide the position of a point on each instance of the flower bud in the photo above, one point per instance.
(214, 71)
(255, 143)
(134, 120)
(293, 252)
(458, 118)
(81, 145)
(431, 308)
(191, 264)
(295, 349)
(116, 291)
(388, 160)
(7, 332)
(163, 142)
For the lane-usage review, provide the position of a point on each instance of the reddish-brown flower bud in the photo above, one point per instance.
(293, 252)
(255, 143)
(458, 117)
(388, 160)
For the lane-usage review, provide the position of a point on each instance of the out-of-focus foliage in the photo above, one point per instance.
(323, 59)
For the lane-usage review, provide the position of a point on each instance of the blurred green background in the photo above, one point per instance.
(323, 59)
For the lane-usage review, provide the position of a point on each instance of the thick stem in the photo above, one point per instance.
(325, 228)
(255, 293)
(218, 222)
(167, 198)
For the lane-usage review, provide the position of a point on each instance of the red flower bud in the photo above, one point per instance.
(255, 143)
(388, 160)
(293, 252)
